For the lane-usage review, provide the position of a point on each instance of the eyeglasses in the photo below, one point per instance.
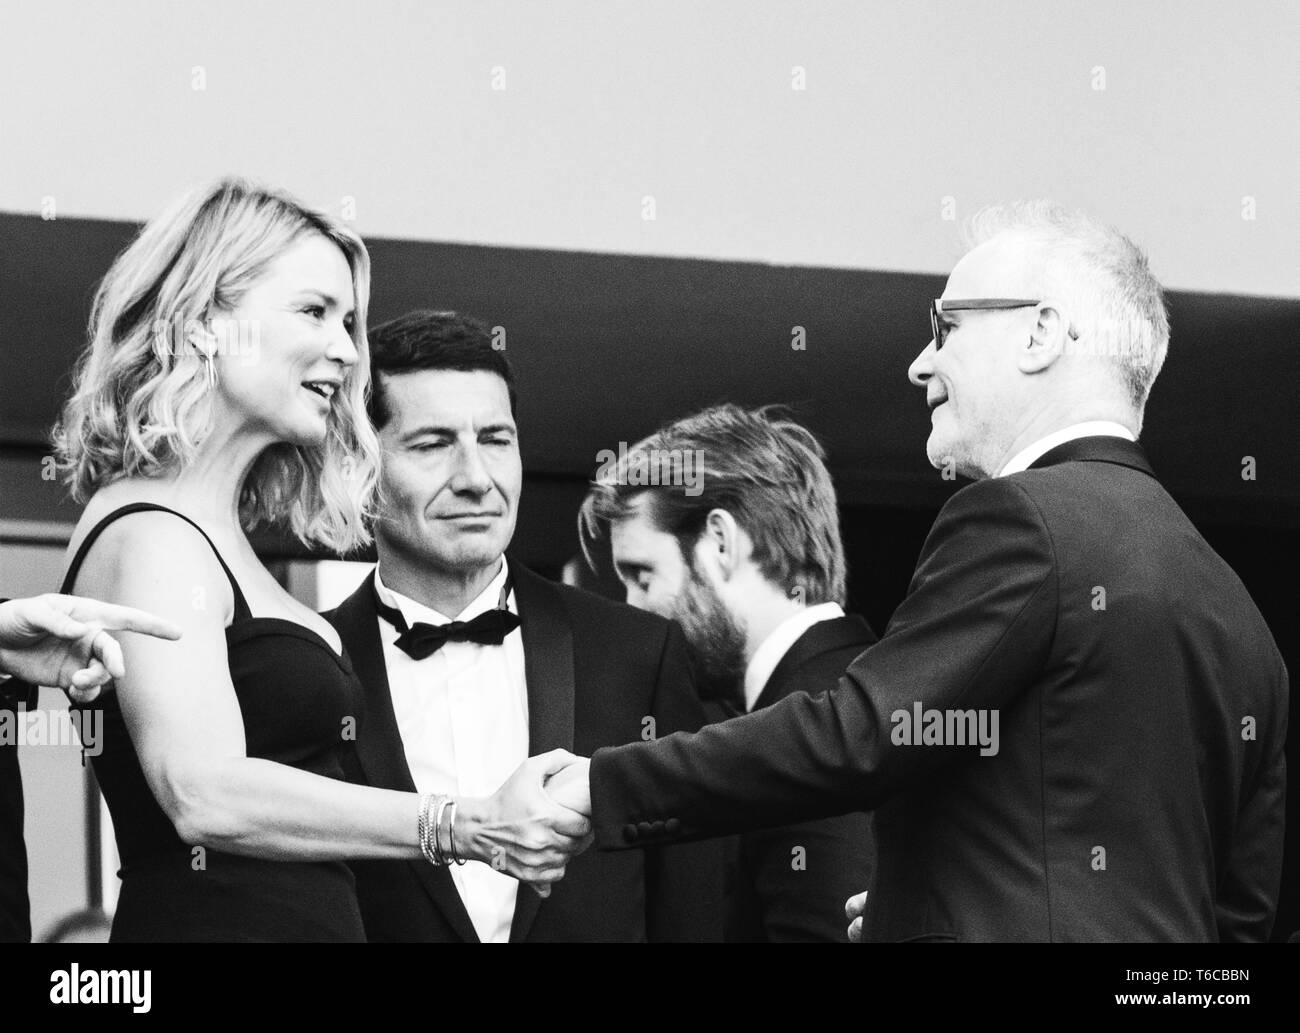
(939, 329)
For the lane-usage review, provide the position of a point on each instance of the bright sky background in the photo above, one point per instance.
(605, 103)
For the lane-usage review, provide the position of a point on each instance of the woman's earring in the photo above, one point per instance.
(204, 344)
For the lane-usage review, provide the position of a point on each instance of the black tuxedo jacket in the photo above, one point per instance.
(15, 914)
(1138, 788)
(596, 670)
(790, 884)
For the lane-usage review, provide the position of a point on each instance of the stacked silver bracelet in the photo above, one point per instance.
(443, 803)
(451, 834)
(429, 829)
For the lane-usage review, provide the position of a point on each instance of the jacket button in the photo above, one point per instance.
(629, 833)
(672, 826)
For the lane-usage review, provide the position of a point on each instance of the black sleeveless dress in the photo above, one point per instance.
(294, 693)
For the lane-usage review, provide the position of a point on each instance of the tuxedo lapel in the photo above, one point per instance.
(379, 742)
(548, 670)
(822, 637)
(548, 661)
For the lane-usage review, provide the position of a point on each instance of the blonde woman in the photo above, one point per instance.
(224, 386)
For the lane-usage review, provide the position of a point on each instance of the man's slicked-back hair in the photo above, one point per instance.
(763, 468)
(425, 339)
(1115, 301)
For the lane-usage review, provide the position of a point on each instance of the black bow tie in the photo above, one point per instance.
(420, 640)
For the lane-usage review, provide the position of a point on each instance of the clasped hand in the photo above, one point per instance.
(537, 821)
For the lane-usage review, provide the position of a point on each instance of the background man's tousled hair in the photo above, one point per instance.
(1116, 303)
(763, 468)
(425, 339)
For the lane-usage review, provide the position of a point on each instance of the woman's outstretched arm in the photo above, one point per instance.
(184, 718)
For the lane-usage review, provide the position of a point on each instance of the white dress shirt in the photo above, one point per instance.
(1026, 457)
(463, 716)
(778, 642)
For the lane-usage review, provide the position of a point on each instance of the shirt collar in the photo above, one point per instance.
(415, 612)
(778, 643)
(1026, 457)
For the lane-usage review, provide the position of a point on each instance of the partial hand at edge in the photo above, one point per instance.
(63, 640)
(853, 909)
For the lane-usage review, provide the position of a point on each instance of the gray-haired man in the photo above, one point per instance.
(1137, 791)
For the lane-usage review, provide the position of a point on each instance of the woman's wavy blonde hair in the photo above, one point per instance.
(139, 405)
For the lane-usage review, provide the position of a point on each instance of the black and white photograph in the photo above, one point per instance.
(785, 471)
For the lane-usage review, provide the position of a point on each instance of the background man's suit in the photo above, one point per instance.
(595, 671)
(769, 898)
(1138, 792)
(15, 920)
(15, 913)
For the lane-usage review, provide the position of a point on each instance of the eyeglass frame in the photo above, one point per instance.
(939, 306)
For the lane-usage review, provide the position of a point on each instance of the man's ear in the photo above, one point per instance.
(1047, 341)
(724, 544)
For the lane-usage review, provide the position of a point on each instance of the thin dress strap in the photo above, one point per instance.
(241, 607)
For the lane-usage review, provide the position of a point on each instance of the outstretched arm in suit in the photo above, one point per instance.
(973, 632)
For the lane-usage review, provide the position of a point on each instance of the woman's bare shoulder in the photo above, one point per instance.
(146, 555)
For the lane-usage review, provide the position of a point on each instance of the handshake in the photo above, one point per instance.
(535, 823)
(540, 818)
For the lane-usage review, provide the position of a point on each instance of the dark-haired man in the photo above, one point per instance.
(745, 554)
(458, 692)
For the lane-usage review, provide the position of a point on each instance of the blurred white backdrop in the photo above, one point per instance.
(549, 125)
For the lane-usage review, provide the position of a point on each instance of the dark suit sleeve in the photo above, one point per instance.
(15, 921)
(1247, 898)
(973, 632)
(683, 883)
(802, 875)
